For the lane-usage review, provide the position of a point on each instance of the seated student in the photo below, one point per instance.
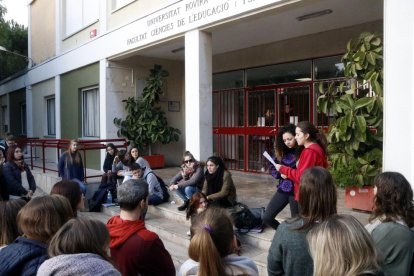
(72, 191)
(341, 246)
(109, 177)
(198, 204)
(8, 220)
(80, 247)
(19, 180)
(120, 165)
(212, 247)
(218, 185)
(38, 221)
(154, 187)
(392, 223)
(288, 253)
(8, 141)
(134, 249)
(188, 180)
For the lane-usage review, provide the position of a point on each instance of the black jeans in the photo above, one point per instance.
(276, 205)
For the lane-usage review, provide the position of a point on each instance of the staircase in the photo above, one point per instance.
(172, 226)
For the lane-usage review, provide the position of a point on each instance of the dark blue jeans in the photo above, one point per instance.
(187, 192)
(154, 200)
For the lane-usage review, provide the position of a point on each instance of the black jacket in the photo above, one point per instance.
(13, 179)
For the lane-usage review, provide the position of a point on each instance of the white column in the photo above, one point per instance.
(29, 110)
(399, 87)
(57, 108)
(102, 104)
(198, 94)
(58, 25)
(103, 22)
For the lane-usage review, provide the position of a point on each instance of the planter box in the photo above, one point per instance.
(361, 198)
(156, 161)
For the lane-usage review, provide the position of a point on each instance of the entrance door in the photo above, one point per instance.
(246, 121)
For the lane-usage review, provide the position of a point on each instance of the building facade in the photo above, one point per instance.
(239, 69)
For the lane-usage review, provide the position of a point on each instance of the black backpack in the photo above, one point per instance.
(165, 194)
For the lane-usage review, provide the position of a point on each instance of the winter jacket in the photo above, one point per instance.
(77, 264)
(22, 257)
(68, 170)
(13, 179)
(311, 156)
(136, 250)
(234, 265)
(196, 180)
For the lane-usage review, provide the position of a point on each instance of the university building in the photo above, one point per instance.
(238, 70)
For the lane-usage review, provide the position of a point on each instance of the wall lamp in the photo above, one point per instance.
(313, 15)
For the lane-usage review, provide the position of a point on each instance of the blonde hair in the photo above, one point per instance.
(212, 240)
(341, 246)
(42, 216)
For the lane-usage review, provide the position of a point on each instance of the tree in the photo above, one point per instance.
(13, 36)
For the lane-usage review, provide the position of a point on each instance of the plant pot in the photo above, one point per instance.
(156, 161)
(361, 198)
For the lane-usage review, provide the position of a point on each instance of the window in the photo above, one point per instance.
(117, 4)
(51, 116)
(90, 112)
(80, 14)
(23, 119)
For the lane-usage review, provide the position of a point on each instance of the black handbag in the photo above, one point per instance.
(247, 219)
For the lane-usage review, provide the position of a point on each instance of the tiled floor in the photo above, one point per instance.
(253, 189)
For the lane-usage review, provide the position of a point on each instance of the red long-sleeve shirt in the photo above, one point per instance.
(311, 156)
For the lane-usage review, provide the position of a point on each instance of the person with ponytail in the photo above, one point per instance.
(312, 152)
(218, 185)
(212, 247)
(19, 180)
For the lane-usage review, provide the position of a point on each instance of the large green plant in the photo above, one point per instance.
(145, 123)
(355, 107)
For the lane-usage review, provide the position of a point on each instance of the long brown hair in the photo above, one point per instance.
(317, 196)
(194, 203)
(74, 157)
(394, 198)
(80, 235)
(71, 190)
(315, 135)
(8, 223)
(42, 216)
(212, 240)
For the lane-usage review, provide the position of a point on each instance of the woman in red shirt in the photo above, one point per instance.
(312, 148)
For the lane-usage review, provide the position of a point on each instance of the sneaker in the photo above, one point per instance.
(188, 233)
(184, 206)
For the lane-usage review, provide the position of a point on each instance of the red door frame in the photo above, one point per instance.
(247, 130)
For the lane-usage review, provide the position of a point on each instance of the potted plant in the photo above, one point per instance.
(355, 109)
(145, 123)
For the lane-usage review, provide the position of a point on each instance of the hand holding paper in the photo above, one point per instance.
(269, 158)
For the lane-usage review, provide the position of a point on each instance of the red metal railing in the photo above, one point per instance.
(59, 144)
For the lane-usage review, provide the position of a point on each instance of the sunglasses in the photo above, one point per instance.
(188, 161)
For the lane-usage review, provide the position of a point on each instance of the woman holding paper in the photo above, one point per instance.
(312, 153)
(286, 148)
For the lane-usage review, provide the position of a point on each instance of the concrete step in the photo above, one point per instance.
(173, 233)
(169, 211)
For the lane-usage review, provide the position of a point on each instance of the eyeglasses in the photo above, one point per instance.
(188, 161)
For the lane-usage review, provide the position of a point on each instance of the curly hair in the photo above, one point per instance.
(281, 149)
(394, 198)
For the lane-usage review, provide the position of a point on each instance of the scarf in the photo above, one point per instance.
(214, 181)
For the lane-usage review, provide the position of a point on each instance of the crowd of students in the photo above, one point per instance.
(44, 236)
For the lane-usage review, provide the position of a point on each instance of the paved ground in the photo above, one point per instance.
(253, 189)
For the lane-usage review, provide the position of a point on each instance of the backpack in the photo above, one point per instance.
(165, 194)
(247, 219)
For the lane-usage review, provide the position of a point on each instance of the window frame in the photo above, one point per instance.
(96, 131)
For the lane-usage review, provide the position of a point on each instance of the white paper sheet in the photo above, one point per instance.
(269, 158)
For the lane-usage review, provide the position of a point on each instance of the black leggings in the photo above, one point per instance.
(276, 205)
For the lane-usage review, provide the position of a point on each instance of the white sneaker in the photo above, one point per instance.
(188, 233)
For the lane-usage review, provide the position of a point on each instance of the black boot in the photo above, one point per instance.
(184, 206)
